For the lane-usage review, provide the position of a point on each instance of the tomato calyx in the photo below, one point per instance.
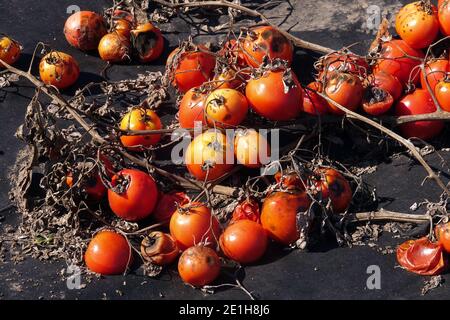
(159, 248)
(120, 183)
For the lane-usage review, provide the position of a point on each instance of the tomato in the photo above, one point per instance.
(388, 82)
(191, 68)
(125, 15)
(122, 27)
(168, 204)
(225, 108)
(442, 92)
(436, 71)
(233, 54)
(84, 29)
(244, 241)
(193, 224)
(206, 156)
(192, 108)
(91, 185)
(442, 232)
(343, 62)
(266, 41)
(148, 42)
(108, 253)
(136, 120)
(417, 24)
(276, 95)
(199, 266)
(114, 47)
(377, 101)
(345, 89)
(422, 257)
(133, 196)
(227, 79)
(290, 181)
(59, 69)
(246, 210)
(159, 248)
(279, 215)
(9, 50)
(312, 102)
(251, 148)
(393, 61)
(330, 184)
(444, 16)
(418, 102)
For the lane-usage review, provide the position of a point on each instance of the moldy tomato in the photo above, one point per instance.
(377, 101)
(148, 41)
(435, 70)
(199, 266)
(59, 69)
(9, 50)
(136, 120)
(312, 102)
(330, 184)
(159, 248)
(192, 108)
(442, 232)
(108, 253)
(168, 204)
(345, 89)
(225, 108)
(251, 148)
(114, 47)
(133, 196)
(442, 92)
(246, 210)
(84, 29)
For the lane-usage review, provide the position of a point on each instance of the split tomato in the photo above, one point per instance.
(377, 101)
(59, 69)
(246, 210)
(9, 50)
(225, 108)
(312, 102)
(346, 89)
(159, 248)
(168, 204)
(251, 148)
(84, 29)
(436, 71)
(442, 92)
(442, 232)
(148, 42)
(388, 82)
(122, 27)
(114, 47)
(199, 266)
(136, 120)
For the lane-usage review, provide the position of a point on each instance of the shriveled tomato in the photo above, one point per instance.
(84, 29)
(199, 266)
(343, 62)
(444, 16)
(108, 253)
(191, 68)
(279, 215)
(332, 185)
(276, 95)
(289, 181)
(244, 241)
(148, 41)
(168, 204)
(227, 79)
(312, 102)
(436, 70)
(266, 41)
(232, 52)
(225, 108)
(193, 224)
(134, 195)
(386, 82)
(394, 61)
(377, 101)
(422, 257)
(9, 50)
(159, 248)
(417, 24)
(442, 92)
(192, 108)
(345, 89)
(114, 47)
(442, 232)
(122, 27)
(136, 120)
(418, 102)
(246, 210)
(59, 69)
(251, 149)
(206, 156)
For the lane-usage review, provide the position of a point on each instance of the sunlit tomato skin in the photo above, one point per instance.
(244, 241)
(388, 82)
(159, 248)
(134, 195)
(199, 266)
(232, 52)
(266, 40)
(192, 109)
(312, 102)
(393, 61)
(122, 27)
(345, 89)
(114, 47)
(289, 181)
(377, 101)
(442, 232)
(168, 204)
(192, 68)
(279, 215)
(332, 185)
(108, 253)
(193, 224)
(59, 69)
(442, 92)
(9, 51)
(343, 62)
(422, 257)
(436, 71)
(84, 29)
(251, 148)
(136, 120)
(206, 156)
(225, 108)
(444, 16)
(247, 210)
(417, 24)
(227, 79)
(267, 96)
(418, 102)
(148, 41)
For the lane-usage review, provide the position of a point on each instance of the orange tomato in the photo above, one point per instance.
(159, 248)
(444, 16)
(442, 232)
(330, 184)
(227, 79)
(442, 92)
(388, 82)
(345, 89)
(251, 148)
(199, 266)
(148, 41)
(122, 27)
(192, 108)
(114, 47)
(233, 54)
(59, 69)
(9, 50)
(136, 120)
(225, 108)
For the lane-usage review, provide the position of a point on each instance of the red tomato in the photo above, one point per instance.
(108, 253)
(436, 71)
(159, 248)
(388, 82)
(444, 16)
(148, 42)
(192, 108)
(134, 195)
(442, 92)
(442, 232)
(246, 210)
(418, 102)
(84, 29)
(168, 204)
(377, 101)
(345, 89)
(199, 266)
(312, 102)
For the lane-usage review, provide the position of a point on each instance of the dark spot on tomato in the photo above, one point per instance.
(266, 34)
(145, 42)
